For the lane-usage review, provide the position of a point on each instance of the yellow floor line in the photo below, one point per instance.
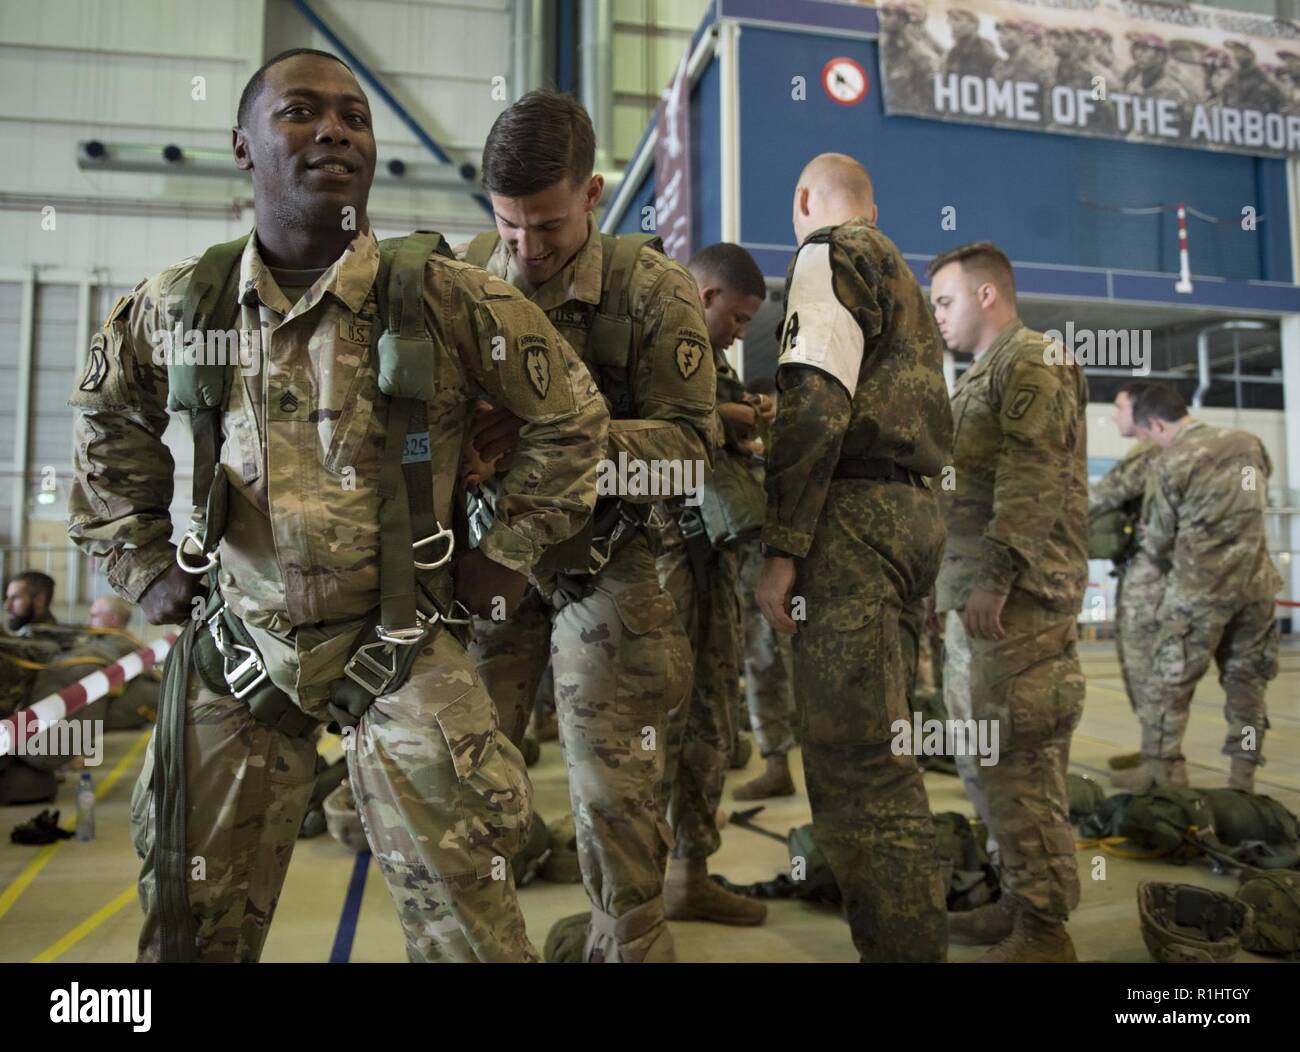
(58, 949)
(29, 872)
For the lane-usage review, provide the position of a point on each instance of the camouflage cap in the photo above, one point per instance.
(1274, 901)
(1186, 924)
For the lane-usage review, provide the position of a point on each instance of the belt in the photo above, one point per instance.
(877, 470)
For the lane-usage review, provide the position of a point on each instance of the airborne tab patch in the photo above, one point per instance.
(537, 363)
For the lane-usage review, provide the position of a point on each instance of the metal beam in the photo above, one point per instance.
(366, 74)
(23, 411)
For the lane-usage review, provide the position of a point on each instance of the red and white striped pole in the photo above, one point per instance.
(29, 722)
(1184, 284)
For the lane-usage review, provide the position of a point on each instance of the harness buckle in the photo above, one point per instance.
(443, 534)
(192, 536)
(691, 523)
(237, 661)
(367, 672)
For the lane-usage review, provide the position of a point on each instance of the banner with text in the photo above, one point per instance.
(1177, 74)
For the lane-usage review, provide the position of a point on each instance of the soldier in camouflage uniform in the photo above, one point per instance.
(1014, 572)
(1021, 63)
(443, 796)
(1203, 525)
(732, 291)
(852, 542)
(913, 55)
(621, 658)
(1151, 74)
(1250, 87)
(970, 55)
(1139, 584)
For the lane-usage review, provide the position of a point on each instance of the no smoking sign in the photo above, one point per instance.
(845, 81)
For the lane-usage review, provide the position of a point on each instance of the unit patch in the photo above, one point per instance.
(96, 364)
(537, 363)
(1020, 402)
(690, 353)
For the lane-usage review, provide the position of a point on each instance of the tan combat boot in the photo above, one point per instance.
(774, 781)
(983, 926)
(1152, 773)
(689, 895)
(1033, 941)
(1125, 761)
(1242, 775)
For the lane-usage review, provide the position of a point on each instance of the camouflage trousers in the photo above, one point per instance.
(621, 662)
(768, 659)
(873, 558)
(701, 730)
(443, 798)
(1242, 640)
(1031, 686)
(1138, 595)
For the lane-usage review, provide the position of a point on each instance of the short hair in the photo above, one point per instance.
(40, 583)
(732, 267)
(254, 86)
(1159, 402)
(761, 385)
(542, 139)
(983, 260)
(1132, 388)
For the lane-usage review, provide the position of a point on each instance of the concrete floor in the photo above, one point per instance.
(75, 902)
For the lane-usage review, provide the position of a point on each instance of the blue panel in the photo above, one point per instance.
(645, 195)
(1024, 190)
(706, 157)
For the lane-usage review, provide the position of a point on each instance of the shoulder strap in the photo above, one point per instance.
(211, 302)
(481, 248)
(611, 328)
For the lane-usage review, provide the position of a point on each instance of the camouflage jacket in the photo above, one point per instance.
(304, 435)
(1167, 85)
(1017, 504)
(1126, 481)
(861, 375)
(973, 56)
(1203, 517)
(672, 386)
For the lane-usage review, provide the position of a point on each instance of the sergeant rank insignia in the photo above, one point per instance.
(689, 356)
(537, 364)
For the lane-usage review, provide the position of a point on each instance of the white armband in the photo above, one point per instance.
(819, 331)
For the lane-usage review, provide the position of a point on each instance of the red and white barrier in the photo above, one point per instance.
(28, 722)
(1184, 283)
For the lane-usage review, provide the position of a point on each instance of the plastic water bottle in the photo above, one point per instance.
(85, 807)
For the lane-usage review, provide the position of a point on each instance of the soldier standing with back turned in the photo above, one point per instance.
(854, 532)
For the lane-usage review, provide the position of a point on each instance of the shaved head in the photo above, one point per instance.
(833, 188)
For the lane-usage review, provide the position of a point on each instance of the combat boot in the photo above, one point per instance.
(638, 936)
(774, 781)
(1152, 773)
(1033, 941)
(689, 895)
(1242, 775)
(1125, 761)
(983, 926)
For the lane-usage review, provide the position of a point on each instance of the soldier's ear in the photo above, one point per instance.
(594, 189)
(239, 145)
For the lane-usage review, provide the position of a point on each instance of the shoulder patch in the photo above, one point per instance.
(690, 352)
(96, 362)
(1021, 399)
(537, 363)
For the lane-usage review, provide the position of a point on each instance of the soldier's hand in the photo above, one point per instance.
(982, 615)
(766, 408)
(495, 434)
(742, 418)
(480, 582)
(169, 600)
(775, 585)
(932, 626)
